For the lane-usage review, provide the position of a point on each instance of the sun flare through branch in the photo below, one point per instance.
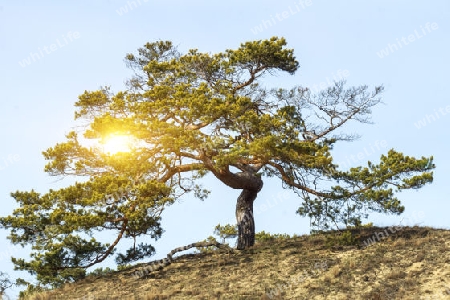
(114, 144)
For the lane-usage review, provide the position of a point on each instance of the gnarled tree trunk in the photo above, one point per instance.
(245, 220)
(250, 183)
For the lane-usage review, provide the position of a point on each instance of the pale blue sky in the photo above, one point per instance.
(329, 38)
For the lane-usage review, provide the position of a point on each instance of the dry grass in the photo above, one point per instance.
(413, 263)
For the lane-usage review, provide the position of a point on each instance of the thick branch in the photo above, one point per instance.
(108, 251)
(250, 167)
(241, 180)
(252, 78)
(292, 183)
(160, 264)
(196, 126)
(180, 169)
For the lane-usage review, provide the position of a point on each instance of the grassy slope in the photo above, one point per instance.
(412, 263)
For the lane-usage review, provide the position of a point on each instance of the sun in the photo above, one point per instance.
(114, 144)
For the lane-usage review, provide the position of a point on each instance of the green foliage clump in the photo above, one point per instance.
(345, 238)
(266, 236)
(208, 249)
(124, 267)
(231, 231)
(227, 231)
(101, 272)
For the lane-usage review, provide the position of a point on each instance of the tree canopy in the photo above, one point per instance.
(191, 115)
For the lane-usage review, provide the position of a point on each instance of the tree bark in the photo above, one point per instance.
(245, 220)
(250, 183)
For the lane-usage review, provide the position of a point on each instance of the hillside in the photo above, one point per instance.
(402, 263)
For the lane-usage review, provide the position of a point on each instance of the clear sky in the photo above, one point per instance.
(52, 51)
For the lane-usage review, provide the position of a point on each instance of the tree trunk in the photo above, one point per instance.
(250, 183)
(245, 220)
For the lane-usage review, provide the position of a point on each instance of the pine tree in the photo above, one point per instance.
(195, 114)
